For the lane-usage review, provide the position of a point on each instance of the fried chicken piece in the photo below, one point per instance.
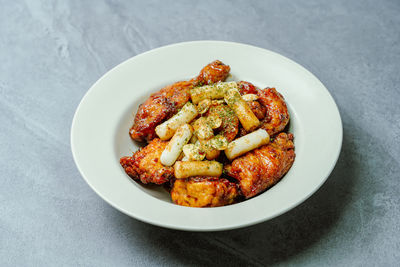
(145, 164)
(246, 88)
(166, 102)
(259, 110)
(214, 72)
(203, 192)
(270, 107)
(151, 113)
(277, 116)
(157, 108)
(242, 132)
(263, 167)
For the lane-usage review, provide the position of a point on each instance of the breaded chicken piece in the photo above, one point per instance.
(145, 164)
(151, 113)
(203, 192)
(270, 107)
(259, 110)
(277, 116)
(157, 108)
(263, 167)
(248, 88)
(214, 72)
(161, 105)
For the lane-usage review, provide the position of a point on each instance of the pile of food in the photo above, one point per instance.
(210, 142)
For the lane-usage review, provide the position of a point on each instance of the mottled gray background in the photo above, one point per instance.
(51, 52)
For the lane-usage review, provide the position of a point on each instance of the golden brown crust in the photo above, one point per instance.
(259, 110)
(277, 116)
(158, 108)
(270, 107)
(214, 72)
(203, 192)
(145, 164)
(261, 168)
(178, 93)
(246, 88)
(166, 102)
(151, 113)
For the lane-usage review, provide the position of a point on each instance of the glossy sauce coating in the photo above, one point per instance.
(277, 113)
(270, 108)
(261, 168)
(145, 164)
(214, 72)
(259, 110)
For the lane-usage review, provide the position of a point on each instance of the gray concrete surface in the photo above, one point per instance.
(52, 52)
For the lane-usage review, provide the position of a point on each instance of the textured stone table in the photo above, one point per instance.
(52, 52)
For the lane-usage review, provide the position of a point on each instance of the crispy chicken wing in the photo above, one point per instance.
(259, 110)
(214, 72)
(145, 164)
(246, 88)
(151, 113)
(166, 102)
(277, 116)
(263, 167)
(203, 192)
(270, 107)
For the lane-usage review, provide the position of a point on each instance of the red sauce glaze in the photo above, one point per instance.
(151, 113)
(263, 167)
(212, 73)
(246, 88)
(277, 112)
(145, 164)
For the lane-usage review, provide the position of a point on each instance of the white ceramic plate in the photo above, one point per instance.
(99, 134)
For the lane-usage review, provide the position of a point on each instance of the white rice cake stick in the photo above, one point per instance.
(185, 169)
(167, 129)
(175, 145)
(214, 91)
(246, 143)
(246, 116)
